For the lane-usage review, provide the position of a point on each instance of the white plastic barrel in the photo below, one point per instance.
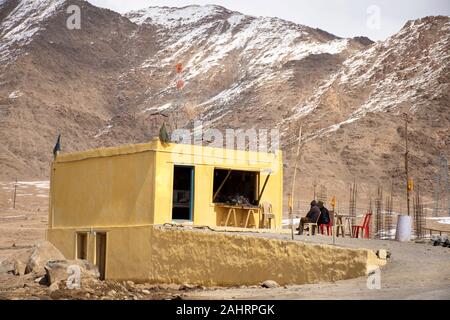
(403, 232)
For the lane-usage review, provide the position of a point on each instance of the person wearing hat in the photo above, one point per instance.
(324, 214)
(311, 217)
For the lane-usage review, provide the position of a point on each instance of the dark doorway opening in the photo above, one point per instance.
(183, 193)
(100, 253)
(82, 246)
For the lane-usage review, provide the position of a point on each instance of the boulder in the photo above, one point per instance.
(169, 286)
(60, 270)
(269, 284)
(15, 263)
(41, 254)
(19, 268)
(383, 254)
(6, 266)
(53, 287)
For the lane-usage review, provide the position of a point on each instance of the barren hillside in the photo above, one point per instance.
(104, 84)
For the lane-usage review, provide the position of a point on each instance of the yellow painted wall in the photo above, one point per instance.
(155, 254)
(103, 191)
(205, 160)
(132, 185)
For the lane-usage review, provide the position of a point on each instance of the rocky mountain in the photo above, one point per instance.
(114, 81)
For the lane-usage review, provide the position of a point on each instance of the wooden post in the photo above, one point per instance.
(291, 206)
(333, 228)
(314, 188)
(14, 197)
(406, 164)
(222, 184)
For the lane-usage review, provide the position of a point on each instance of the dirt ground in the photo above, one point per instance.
(414, 271)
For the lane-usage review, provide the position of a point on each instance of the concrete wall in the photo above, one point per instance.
(223, 259)
(154, 254)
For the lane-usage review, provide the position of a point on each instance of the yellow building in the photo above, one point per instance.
(105, 202)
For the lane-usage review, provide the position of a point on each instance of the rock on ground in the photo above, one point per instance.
(42, 253)
(60, 270)
(269, 284)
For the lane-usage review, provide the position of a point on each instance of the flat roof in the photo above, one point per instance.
(182, 149)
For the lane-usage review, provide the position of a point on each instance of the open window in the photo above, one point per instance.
(235, 187)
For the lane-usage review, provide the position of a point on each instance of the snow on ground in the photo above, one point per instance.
(104, 131)
(287, 222)
(160, 108)
(15, 94)
(443, 220)
(38, 184)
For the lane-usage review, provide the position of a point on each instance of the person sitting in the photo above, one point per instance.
(311, 217)
(324, 214)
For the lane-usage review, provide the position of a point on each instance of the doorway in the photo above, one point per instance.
(183, 193)
(82, 245)
(100, 253)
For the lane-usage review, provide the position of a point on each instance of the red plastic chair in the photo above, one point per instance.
(365, 227)
(329, 227)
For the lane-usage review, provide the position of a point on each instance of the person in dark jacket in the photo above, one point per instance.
(311, 217)
(324, 214)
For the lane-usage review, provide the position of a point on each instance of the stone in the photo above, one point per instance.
(59, 270)
(53, 287)
(19, 268)
(7, 267)
(111, 293)
(187, 286)
(130, 283)
(42, 253)
(269, 284)
(145, 291)
(383, 254)
(170, 286)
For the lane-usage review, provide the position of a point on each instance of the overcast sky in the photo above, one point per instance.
(376, 19)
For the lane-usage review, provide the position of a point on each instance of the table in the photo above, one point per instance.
(340, 226)
(251, 210)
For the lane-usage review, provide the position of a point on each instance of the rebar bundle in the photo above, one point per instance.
(379, 227)
(442, 187)
(370, 210)
(322, 195)
(419, 218)
(352, 201)
(388, 216)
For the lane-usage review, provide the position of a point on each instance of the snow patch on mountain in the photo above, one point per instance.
(24, 21)
(174, 17)
(207, 38)
(384, 71)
